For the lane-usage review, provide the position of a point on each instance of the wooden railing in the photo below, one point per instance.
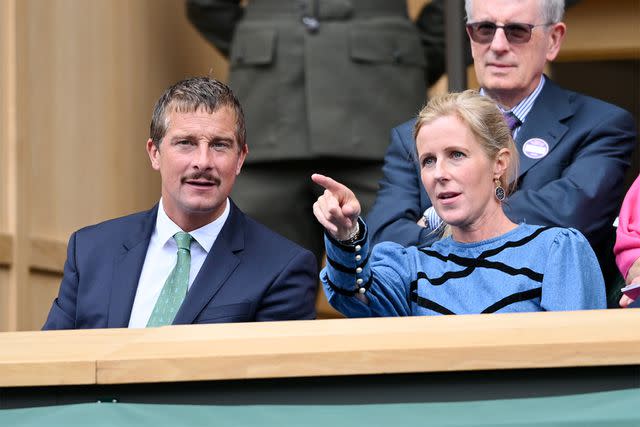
(321, 348)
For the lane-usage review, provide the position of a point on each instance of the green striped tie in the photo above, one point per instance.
(175, 288)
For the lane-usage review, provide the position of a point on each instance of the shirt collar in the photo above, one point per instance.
(521, 110)
(205, 235)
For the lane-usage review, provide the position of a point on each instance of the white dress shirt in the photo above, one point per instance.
(161, 257)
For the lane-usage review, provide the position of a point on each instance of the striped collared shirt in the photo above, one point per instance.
(522, 109)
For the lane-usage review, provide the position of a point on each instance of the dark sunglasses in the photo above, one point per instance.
(516, 33)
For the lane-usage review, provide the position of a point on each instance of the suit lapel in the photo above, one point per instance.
(218, 266)
(544, 121)
(126, 271)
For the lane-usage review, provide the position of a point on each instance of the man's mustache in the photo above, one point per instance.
(206, 176)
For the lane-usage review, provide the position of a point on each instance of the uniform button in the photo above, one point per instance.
(362, 290)
(311, 24)
(359, 282)
(358, 257)
(359, 270)
(358, 248)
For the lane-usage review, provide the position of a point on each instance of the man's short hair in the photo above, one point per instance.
(190, 95)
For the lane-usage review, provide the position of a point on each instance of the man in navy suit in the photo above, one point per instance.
(574, 150)
(238, 270)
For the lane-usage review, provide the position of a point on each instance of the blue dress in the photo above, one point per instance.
(529, 268)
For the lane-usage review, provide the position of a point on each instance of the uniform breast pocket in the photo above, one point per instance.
(255, 81)
(386, 43)
(253, 47)
(239, 312)
(385, 79)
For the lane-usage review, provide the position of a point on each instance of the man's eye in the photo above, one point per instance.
(486, 27)
(220, 145)
(184, 142)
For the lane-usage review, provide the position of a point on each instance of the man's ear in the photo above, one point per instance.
(154, 154)
(243, 155)
(556, 35)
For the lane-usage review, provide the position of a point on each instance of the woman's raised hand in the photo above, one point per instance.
(337, 209)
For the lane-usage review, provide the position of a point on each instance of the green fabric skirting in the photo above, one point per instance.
(616, 408)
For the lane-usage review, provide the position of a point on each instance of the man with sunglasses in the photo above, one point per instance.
(574, 150)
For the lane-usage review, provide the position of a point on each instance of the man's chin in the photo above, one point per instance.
(203, 209)
(498, 83)
(203, 206)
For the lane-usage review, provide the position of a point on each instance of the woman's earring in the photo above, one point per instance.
(500, 194)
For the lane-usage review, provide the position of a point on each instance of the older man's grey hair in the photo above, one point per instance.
(551, 11)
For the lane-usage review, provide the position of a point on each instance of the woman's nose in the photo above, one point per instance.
(440, 170)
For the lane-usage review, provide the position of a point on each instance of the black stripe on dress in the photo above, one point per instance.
(429, 304)
(472, 264)
(514, 298)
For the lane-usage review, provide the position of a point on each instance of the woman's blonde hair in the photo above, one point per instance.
(486, 122)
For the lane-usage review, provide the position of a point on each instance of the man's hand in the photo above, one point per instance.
(337, 210)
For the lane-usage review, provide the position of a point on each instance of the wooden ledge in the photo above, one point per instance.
(56, 357)
(321, 348)
(376, 346)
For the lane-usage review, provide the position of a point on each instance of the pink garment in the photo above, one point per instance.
(627, 247)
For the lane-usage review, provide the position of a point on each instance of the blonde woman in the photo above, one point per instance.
(486, 263)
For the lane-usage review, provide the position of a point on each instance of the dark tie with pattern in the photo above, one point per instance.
(175, 288)
(512, 121)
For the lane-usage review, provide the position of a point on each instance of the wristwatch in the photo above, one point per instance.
(353, 237)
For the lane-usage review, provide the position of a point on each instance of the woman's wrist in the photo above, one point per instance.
(353, 237)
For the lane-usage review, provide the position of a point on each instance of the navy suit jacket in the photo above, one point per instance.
(578, 184)
(250, 274)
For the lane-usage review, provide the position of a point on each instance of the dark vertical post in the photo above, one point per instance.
(454, 41)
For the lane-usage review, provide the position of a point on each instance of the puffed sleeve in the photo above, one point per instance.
(572, 277)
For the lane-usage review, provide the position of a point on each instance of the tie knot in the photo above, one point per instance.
(183, 240)
(512, 121)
